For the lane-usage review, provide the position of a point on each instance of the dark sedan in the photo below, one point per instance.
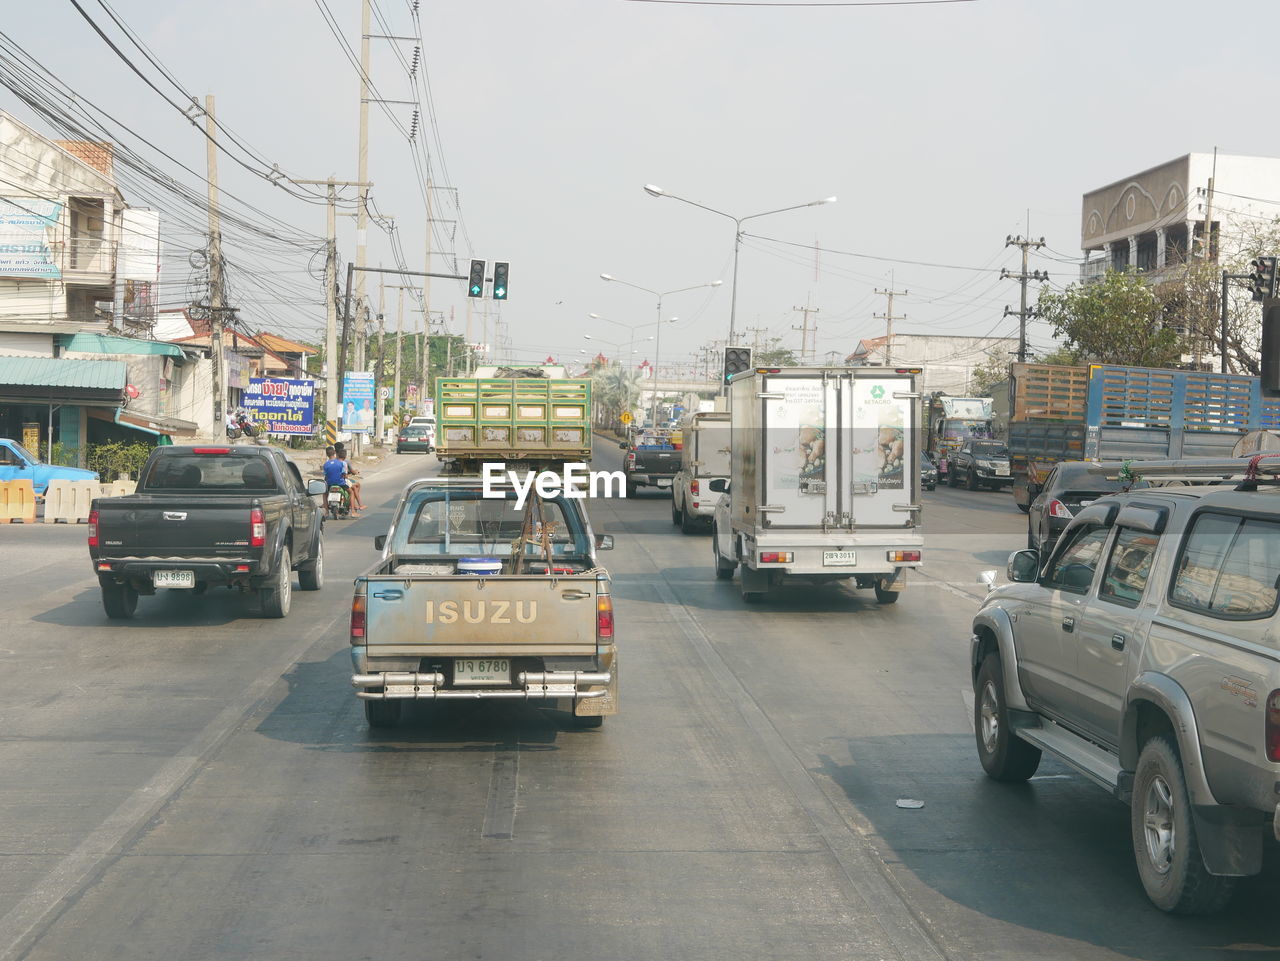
(928, 472)
(414, 440)
(1068, 488)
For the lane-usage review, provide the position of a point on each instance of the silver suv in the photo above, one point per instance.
(1144, 651)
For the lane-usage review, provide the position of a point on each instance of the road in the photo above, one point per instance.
(199, 783)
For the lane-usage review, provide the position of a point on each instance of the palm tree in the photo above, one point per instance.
(616, 389)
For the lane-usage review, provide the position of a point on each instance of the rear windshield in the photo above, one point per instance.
(414, 432)
(1079, 479)
(990, 449)
(227, 473)
(464, 522)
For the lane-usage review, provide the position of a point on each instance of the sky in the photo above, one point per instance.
(941, 128)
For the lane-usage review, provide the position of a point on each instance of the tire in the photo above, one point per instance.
(951, 479)
(278, 598)
(886, 597)
(334, 511)
(724, 569)
(971, 480)
(753, 597)
(1025, 508)
(1004, 756)
(1165, 846)
(119, 600)
(676, 516)
(632, 489)
(311, 577)
(382, 713)
(930, 487)
(688, 525)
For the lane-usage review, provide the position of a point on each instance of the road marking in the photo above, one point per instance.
(20, 928)
(966, 695)
(504, 784)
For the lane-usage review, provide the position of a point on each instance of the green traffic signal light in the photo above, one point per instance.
(476, 288)
(500, 271)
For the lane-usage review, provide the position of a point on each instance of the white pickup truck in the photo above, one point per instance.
(476, 599)
(704, 457)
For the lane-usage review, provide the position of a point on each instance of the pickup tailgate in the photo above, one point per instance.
(144, 525)
(463, 614)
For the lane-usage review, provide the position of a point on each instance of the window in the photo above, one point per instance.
(467, 523)
(1072, 570)
(1229, 567)
(1129, 567)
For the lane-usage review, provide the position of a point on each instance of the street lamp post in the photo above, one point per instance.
(653, 191)
(657, 347)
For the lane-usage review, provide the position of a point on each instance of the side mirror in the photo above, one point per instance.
(719, 484)
(604, 542)
(1024, 566)
(380, 542)
(315, 487)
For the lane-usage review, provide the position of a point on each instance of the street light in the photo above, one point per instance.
(657, 347)
(653, 191)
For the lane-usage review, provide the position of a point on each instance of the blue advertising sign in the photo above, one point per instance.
(282, 406)
(358, 402)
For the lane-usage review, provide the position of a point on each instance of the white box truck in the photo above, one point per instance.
(824, 479)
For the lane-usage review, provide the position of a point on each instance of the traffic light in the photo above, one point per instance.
(1262, 277)
(736, 360)
(476, 287)
(1269, 355)
(499, 281)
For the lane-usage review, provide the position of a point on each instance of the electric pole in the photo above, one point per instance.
(216, 305)
(805, 330)
(362, 157)
(1023, 278)
(888, 317)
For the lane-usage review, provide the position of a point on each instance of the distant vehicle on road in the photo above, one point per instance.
(1067, 489)
(652, 460)
(980, 463)
(18, 463)
(928, 472)
(704, 457)
(415, 439)
(230, 516)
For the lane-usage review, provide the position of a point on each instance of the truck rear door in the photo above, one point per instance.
(468, 615)
(883, 464)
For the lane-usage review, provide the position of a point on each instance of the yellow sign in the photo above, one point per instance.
(31, 438)
(626, 417)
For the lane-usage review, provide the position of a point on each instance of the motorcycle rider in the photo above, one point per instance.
(233, 424)
(341, 451)
(335, 475)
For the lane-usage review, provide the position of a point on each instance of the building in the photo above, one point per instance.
(1155, 218)
(948, 363)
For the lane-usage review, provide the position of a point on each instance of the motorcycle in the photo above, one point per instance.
(338, 501)
(244, 428)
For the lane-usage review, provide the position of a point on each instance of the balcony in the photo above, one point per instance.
(85, 260)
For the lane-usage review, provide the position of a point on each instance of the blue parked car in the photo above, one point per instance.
(17, 463)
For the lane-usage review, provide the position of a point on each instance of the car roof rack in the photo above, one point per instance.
(1248, 471)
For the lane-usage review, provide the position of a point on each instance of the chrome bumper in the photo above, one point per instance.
(530, 686)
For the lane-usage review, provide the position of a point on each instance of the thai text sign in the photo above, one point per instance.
(282, 406)
(24, 241)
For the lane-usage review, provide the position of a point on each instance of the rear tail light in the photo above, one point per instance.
(357, 618)
(1058, 509)
(901, 556)
(93, 528)
(211, 450)
(257, 528)
(694, 487)
(604, 617)
(775, 557)
(695, 505)
(631, 461)
(1273, 726)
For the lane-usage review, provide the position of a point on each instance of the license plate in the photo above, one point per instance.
(481, 671)
(1002, 472)
(664, 481)
(185, 579)
(335, 497)
(839, 558)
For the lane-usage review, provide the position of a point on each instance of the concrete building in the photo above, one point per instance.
(1152, 219)
(948, 362)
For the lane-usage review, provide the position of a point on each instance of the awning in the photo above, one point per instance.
(156, 424)
(55, 380)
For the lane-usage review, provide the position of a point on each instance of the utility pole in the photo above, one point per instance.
(805, 330)
(1208, 247)
(216, 305)
(378, 415)
(362, 158)
(395, 395)
(1023, 278)
(888, 318)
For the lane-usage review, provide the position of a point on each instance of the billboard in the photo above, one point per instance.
(281, 406)
(358, 402)
(24, 241)
(139, 257)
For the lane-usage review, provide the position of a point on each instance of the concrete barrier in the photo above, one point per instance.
(68, 501)
(17, 502)
(119, 488)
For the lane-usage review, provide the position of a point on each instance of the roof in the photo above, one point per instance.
(106, 344)
(59, 372)
(282, 346)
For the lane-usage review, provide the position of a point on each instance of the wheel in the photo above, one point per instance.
(1164, 837)
(632, 489)
(951, 479)
(676, 515)
(382, 713)
(688, 524)
(753, 597)
(333, 511)
(930, 487)
(886, 597)
(311, 578)
(119, 600)
(1025, 508)
(724, 569)
(971, 480)
(277, 598)
(1004, 756)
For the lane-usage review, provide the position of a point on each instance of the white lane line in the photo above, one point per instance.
(966, 695)
(20, 927)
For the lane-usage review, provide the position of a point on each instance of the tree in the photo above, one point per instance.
(1063, 356)
(1117, 320)
(992, 371)
(615, 389)
(773, 355)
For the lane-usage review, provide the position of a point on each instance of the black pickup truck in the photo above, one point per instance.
(237, 517)
(652, 460)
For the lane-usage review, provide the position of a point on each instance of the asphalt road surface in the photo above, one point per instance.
(199, 783)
